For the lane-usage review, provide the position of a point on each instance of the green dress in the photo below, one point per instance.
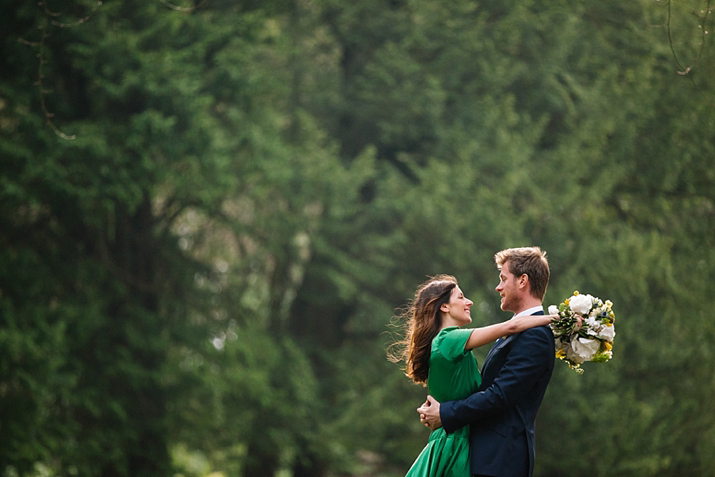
(453, 374)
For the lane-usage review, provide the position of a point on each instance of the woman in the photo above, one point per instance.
(438, 355)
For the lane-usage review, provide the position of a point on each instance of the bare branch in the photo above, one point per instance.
(81, 20)
(182, 9)
(42, 90)
(40, 87)
(687, 70)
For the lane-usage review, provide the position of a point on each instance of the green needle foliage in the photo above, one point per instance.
(210, 212)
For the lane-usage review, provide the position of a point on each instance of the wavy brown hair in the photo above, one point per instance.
(421, 322)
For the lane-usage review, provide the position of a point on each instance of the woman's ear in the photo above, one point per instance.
(444, 308)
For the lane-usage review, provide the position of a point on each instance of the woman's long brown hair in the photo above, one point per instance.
(422, 323)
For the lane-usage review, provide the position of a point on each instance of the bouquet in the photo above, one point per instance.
(584, 331)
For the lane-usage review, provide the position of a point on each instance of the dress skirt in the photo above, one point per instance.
(445, 455)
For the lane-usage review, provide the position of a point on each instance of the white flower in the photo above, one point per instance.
(580, 304)
(553, 310)
(582, 349)
(607, 333)
(591, 322)
(591, 326)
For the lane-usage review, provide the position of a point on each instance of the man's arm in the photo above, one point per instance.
(529, 357)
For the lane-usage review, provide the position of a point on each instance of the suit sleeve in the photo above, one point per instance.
(528, 359)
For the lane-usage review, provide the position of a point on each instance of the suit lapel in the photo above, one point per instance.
(500, 343)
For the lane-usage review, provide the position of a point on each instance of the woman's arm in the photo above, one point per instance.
(487, 334)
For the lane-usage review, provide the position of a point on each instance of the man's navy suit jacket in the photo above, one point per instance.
(501, 415)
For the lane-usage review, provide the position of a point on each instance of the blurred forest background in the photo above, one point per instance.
(210, 212)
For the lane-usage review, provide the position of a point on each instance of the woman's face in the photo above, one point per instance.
(457, 310)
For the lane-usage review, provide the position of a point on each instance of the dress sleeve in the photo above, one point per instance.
(451, 345)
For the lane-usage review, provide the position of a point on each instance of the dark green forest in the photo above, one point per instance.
(211, 211)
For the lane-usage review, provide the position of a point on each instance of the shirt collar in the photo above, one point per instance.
(530, 311)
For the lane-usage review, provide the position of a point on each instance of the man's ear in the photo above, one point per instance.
(523, 280)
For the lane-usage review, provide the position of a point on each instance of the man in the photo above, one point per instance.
(514, 377)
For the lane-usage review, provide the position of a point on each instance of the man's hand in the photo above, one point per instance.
(429, 413)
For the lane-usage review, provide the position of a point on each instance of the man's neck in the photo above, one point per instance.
(526, 304)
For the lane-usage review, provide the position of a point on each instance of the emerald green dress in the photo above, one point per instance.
(453, 374)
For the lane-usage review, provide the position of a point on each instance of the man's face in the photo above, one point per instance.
(508, 289)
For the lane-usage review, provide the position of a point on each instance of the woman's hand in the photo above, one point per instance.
(429, 413)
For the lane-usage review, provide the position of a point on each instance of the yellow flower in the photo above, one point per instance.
(561, 354)
(575, 293)
(607, 346)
